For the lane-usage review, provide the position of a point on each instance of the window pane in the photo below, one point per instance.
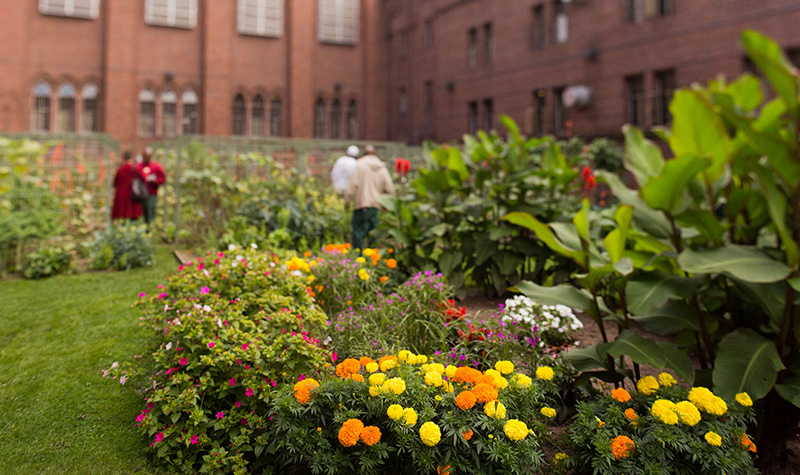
(169, 122)
(239, 116)
(338, 21)
(90, 118)
(336, 120)
(319, 119)
(66, 114)
(190, 119)
(41, 113)
(257, 115)
(276, 118)
(174, 13)
(147, 119)
(70, 8)
(473, 118)
(261, 17)
(352, 121)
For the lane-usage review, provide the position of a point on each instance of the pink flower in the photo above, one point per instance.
(162, 295)
(160, 286)
(211, 344)
(333, 356)
(249, 392)
(183, 361)
(237, 404)
(216, 261)
(302, 377)
(141, 417)
(200, 267)
(142, 294)
(194, 439)
(245, 346)
(273, 383)
(205, 290)
(159, 436)
(220, 415)
(221, 254)
(232, 381)
(180, 268)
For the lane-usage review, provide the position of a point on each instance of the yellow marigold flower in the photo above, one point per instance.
(438, 398)
(706, 401)
(371, 435)
(420, 359)
(545, 373)
(505, 367)
(374, 391)
(484, 392)
(387, 362)
(450, 371)
(666, 380)
(744, 399)
(395, 385)
(501, 383)
(515, 430)
(350, 432)
(713, 439)
(368, 252)
(311, 278)
(559, 458)
(372, 367)
(437, 367)
(466, 400)
(495, 409)
(361, 260)
(430, 434)
(376, 379)
(302, 390)
(663, 411)
(410, 417)
(622, 446)
(348, 367)
(522, 380)
(403, 355)
(432, 378)
(631, 414)
(548, 412)
(363, 275)
(620, 395)
(395, 412)
(687, 412)
(647, 385)
(448, 387)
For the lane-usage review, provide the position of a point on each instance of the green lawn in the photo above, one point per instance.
(58, 414)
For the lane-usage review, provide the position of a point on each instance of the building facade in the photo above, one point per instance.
(407, 70)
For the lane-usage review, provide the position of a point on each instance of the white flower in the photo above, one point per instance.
(122, 380)
(254, 245)
(239, 257)
(231, 247)
(169, 346)
(115, 364)
(207, 308)
(234, 264)
(219, 322)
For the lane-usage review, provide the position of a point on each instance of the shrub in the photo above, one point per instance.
(605, 154)
(46, 263)
(123, 247)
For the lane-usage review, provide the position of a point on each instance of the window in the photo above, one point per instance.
(560, 23)
(665, 85)
(637, 10)
(174, 13)
(258, 117)
(147, 113)
(539, 108)
(338, 21)
(538, 34)
(261, 17)
(402, 107)
(191, 118)
(319, 119)
(239, 126)
(560, 113)
(66, 108)
(634, 10)
(352, 121)
(472, 50)
(89, 9)
(473, 118)
(428, 96)
(336, 120)
(634, 99)
(488, 114)
(90, 117)
(169, 114)
(40, 118)
(276, 118)
(427, 39)
(488, 43)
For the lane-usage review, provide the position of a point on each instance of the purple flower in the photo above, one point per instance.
(220, 415)
(194, 439)
(159, 436)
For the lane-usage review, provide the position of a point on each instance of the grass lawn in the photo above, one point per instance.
(58, 414)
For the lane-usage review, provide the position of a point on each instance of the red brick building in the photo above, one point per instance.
(143, 70)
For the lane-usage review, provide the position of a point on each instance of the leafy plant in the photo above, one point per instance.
(46, 263)
(122, 247)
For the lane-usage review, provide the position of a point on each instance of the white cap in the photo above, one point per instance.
(353, 151)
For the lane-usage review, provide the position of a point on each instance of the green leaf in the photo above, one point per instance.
(678, 361)
(704, 222)
(698, 131)
(645, 217)
(557, 295)
(649, 290)
(456, 163)
(670, 318)
(777, 204)
(746, 92)
(777, 68)
(790, 389)
(665, 192)
(745, 263)
(772, 145)
(615, 241)
(768, 298)
(543, 232)
(585, 359)
(746, 362)
(448, 261)
(592, 279)
(640, 350)
(624, 266)
(642, 157)
(581, 221)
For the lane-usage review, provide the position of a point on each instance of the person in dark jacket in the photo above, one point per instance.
(154, 176)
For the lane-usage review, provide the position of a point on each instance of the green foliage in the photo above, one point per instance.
(605, 154)
(46, 263)
(123, 247)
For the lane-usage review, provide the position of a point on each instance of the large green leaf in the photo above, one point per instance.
(746, 92)
(614, 242)
(768, 298)
(645, 217)
(745, 263)
(543, 232)
(585, 359)
(640, 350)
(777, 68)
(790, 389)
(698, 131)
(670, 318)
(777, 204)
(642, 157)
(746, 362)
(649, 290)
(565, 294)
(456, 163)
(678, 361)
(705, 222)
(665, 192)
(581, 221)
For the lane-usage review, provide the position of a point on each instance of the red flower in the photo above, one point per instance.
(402, 167)
(590, 183)
(586, 173)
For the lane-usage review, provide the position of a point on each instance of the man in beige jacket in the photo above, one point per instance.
(369, 180)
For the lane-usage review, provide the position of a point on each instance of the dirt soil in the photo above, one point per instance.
(590, 335)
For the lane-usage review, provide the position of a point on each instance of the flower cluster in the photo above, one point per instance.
(555, 324)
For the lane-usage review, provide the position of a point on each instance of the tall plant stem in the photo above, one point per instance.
(626, 314)
(599, 319)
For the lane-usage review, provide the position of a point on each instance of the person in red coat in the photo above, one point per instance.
(154, 176)
(125, 207)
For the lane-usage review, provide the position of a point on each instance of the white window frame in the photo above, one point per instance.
(171, 7)
(268, 15)
(66, 8)
(331, 21)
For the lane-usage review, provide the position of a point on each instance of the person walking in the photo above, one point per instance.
(369, 180)
(124, 206)
(343, 169)
(154, 176)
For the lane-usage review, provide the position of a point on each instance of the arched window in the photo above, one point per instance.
(336, 120)
(352, 120)
(40, 117)
(147, 113)
(90, 117)
(169, 114)
(319, 119)
(257, 116)
(190, 114)
(239, 115)
(66, 108)
(276, 118)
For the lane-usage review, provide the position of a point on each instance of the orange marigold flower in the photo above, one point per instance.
(371, 435)
(622, 446)
(631, 414)
(466, 374)
(486, 379)
(467, 435)
(620, 395)
(466, 400)
(357, 377)
(745, 440)
(302, 390)
(365, 360)
(383, 279)
(348, 367)
(387, 358)
(391, 263)
(350, 432)
(484, 392)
